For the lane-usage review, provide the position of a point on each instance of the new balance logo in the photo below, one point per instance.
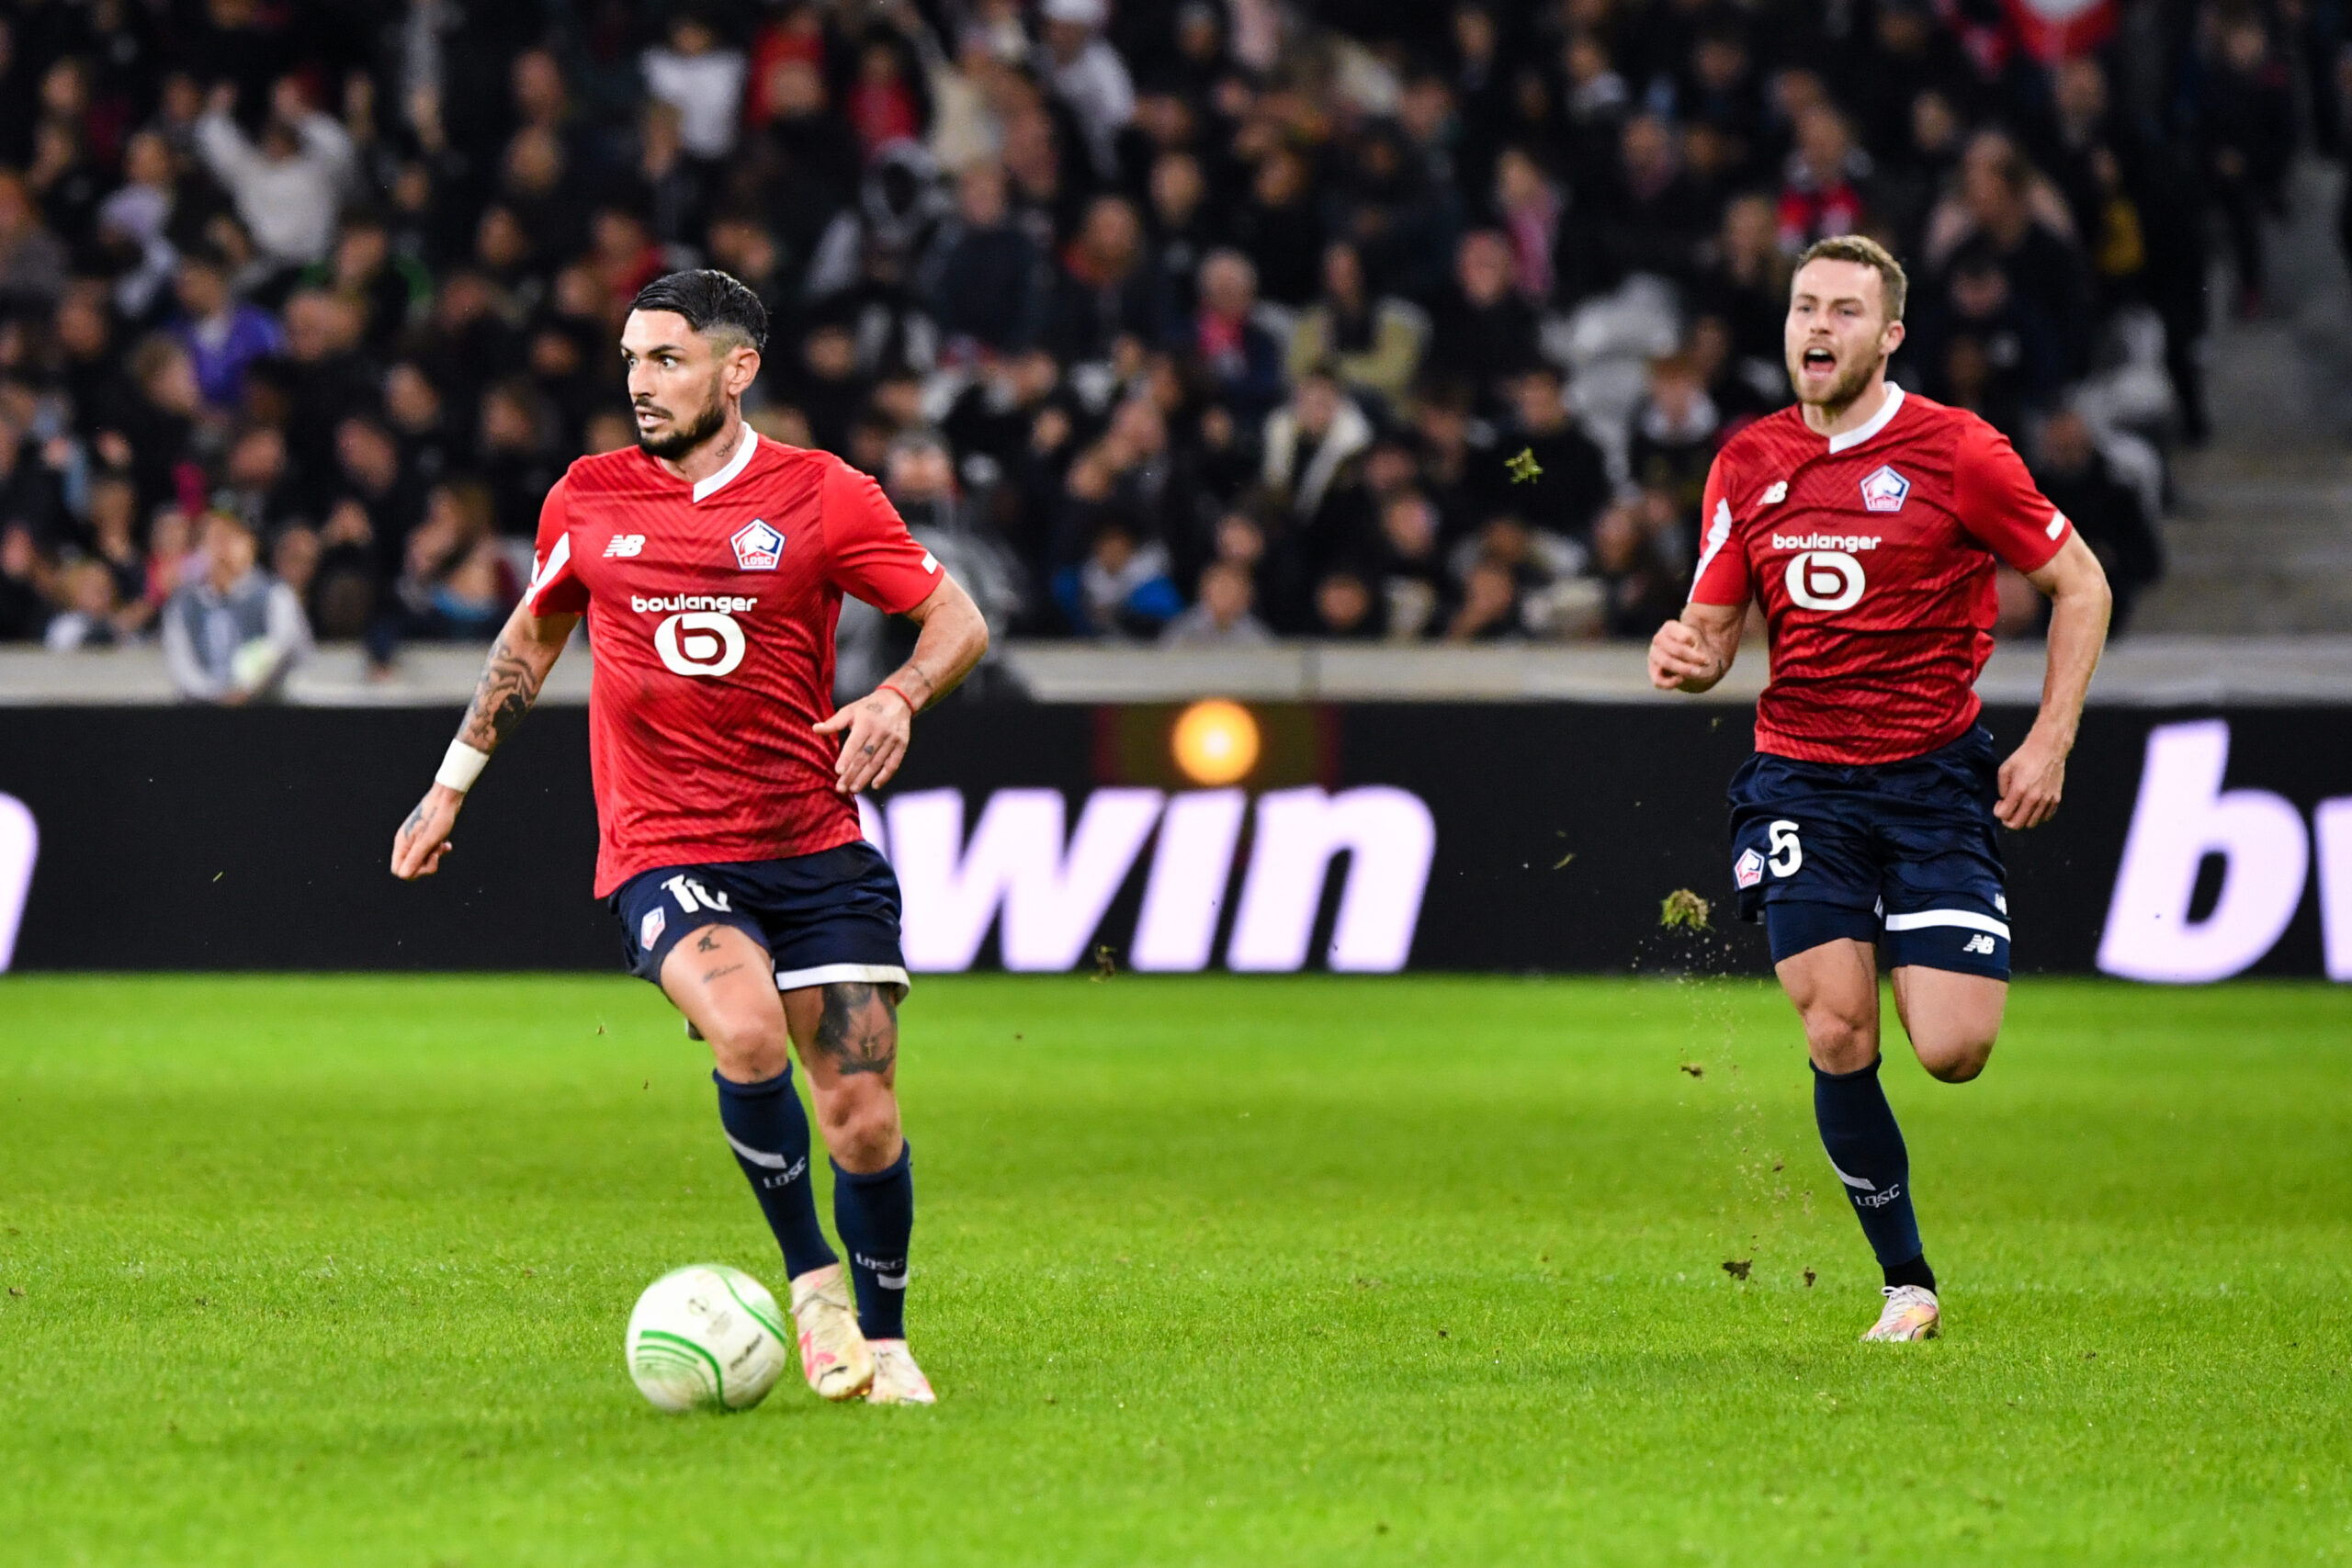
(1980, 943)
(1777, 494)
(622, 546)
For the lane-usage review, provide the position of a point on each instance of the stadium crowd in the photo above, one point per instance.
(1202, 321)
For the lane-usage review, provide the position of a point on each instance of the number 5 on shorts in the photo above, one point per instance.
(1788, 855)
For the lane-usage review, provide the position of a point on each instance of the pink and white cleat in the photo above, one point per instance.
(1910, 1313)
(833, 1354)
(897, 1379)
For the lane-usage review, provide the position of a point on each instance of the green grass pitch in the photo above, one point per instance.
(1307, 1271)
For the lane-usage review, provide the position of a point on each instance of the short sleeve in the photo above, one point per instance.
(1999, 503)
(1721, 575)
(554, 590)
(872, 556)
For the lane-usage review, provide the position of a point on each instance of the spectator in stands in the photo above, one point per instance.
(1485, 333)
(222, 333)
(1571, 481)
(286, 186)
(703, 80)
(2249, 135)
(1121, 588)
(24, 597)
(984, 287)
(1372, 344)
(2070, 471)
(1677, 431)
(93, 616)
(1106, 292)
(32, 260)
(1221, 615)
(232, 635)
(1240, 357)
(1824, 189)
(1087, 75)
(1653, 217)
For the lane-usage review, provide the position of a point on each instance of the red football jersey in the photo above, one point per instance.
(710, 615)
(1873, 554)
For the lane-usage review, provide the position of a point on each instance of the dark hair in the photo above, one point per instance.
(713, 303)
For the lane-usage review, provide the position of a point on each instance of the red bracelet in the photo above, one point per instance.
(911, 709)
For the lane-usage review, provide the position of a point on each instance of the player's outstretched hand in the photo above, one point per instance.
(1677, 653)
(423, 838)
(874, 730)
(2031, 781)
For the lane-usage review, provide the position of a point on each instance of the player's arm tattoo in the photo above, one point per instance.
(860, 1028)
(509, 685)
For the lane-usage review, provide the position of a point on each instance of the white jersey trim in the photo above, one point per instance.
(548, 570)
(1718, 532)
(1878, 421)
(744, 448)
(836, 974)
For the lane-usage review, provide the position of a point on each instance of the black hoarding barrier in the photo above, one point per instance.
(1370, 837)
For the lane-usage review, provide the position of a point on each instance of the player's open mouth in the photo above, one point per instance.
(1820, 359)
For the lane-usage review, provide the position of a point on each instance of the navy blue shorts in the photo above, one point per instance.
(1904, 855)
(824, 917)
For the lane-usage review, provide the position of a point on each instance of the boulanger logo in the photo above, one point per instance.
(1825, 579)
(702, 642)
(726, 603)
(1826, 541)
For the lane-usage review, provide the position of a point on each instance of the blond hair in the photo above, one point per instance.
(1864, 251)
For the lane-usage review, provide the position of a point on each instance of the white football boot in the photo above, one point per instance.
(897, 1379)
(1910, 1313)
(833, 1354)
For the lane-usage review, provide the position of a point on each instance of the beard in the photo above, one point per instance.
(1849, 384)
(686, 436)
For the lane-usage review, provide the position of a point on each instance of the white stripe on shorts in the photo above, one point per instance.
(834, 974)
(1967, 919)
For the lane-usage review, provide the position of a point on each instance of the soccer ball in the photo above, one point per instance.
(707, 1337)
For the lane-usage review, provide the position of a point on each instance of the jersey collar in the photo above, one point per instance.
(744, 449)
(1845, 443)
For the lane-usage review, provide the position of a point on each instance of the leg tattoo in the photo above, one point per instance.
(860, 1028)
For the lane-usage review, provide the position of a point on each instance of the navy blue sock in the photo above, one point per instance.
(769, 1131)
(876, 1214)
(1866, 1150)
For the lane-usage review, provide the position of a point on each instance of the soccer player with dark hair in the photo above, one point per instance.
(714, 561)
(1870, 523)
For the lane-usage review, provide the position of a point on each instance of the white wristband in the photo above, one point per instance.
(463, 764)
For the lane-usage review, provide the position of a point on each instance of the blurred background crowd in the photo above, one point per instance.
(1205, 322)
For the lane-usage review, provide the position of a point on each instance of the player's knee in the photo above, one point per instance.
(859, 1117)
(749, 1048)
(1954, 1060)
(1841, 1041)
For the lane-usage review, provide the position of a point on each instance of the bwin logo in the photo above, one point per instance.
(1043, 884)
(2182, 818)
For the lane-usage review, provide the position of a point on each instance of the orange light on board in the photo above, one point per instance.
(1216, 741)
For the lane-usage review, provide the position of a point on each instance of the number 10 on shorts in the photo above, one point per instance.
(693, 895)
